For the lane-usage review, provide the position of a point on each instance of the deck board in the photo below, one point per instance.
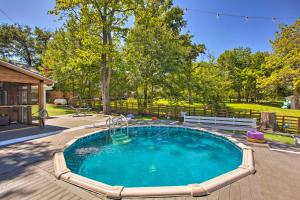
(27, 173)
(224, 193)
(235, 192)
(214, 195)
(245, 189)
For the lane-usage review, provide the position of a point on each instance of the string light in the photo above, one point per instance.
(246, 18)
(7, 16)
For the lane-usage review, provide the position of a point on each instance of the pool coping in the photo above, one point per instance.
(197, 189)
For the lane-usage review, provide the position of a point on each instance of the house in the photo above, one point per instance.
(20, 88)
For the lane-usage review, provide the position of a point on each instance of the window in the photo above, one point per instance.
(34, 94)
(3, 97)
(24, 94)
(24, 97)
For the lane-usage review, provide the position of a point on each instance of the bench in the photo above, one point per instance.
(221, 123)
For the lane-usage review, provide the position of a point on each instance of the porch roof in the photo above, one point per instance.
(14, 73)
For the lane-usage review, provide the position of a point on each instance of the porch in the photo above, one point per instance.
(19, 90)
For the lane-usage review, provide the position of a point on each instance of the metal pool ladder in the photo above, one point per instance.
(118, 129)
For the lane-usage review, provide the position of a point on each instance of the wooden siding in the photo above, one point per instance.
(16, 108)
(8, 75)
(25, 72)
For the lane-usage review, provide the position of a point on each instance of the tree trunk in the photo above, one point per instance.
(268, 121)
(73, 86)
(105, 75)
(296, 97)
(239, 96)
(190, 95)
(145, 95)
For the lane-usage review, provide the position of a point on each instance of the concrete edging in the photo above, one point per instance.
(117, 192)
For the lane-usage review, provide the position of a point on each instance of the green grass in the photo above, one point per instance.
(270, 136)
(279, 138)
(272, 107)
(146, 117)
(53, 110)
(260, 108)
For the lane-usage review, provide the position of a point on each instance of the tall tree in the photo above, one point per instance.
(235, 61)
(253, 74)
(285, 60)
(106, 18)
(22, 44)
(156, 51)
(71, 58)
(211, 84)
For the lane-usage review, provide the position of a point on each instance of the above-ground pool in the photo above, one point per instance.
(153, 157)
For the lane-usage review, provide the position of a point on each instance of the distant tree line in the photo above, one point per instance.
(96, 54)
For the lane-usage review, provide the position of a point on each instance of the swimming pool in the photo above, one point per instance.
(153, 156)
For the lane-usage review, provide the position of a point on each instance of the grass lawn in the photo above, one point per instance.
(270, 136)
(279, 138)
(53, 110)
(259, 107)
(246, 106)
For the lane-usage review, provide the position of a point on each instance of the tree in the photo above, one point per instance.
(284, 61)
(105, 19)
(71, 59)
(252, 74)
(22, 44)
(186, 72)
(235, 61)
(156, 51)
(211, 84)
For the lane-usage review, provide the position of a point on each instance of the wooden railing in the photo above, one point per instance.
(289, 124)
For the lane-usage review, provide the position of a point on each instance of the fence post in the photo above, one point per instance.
(121, 106)
(298, 131)
(283, 122)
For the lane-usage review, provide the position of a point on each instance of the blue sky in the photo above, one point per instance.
(217, 34)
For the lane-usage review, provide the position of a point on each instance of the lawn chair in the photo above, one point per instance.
(80, 110)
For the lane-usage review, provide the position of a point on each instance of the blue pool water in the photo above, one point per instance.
(153, 156)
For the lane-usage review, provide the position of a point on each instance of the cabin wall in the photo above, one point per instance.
(15, 103)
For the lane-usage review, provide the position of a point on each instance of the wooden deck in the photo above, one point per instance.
(26, 172)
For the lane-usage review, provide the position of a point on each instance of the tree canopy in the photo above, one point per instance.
(284, 61)
(23, 44)
(97, 53)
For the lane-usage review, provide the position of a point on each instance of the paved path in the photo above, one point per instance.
(26, 172)
(58, 123)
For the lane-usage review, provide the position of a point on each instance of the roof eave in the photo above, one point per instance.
(26, 72)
